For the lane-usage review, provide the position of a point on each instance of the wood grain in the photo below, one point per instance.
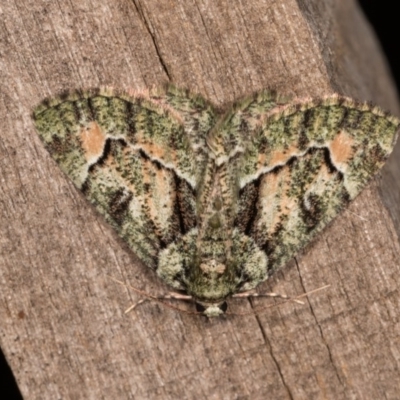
(63, 329)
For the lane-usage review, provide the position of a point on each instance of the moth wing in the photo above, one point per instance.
(231, 133)
(302, 164)
(134, 157)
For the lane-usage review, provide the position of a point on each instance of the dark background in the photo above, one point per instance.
(383, 17)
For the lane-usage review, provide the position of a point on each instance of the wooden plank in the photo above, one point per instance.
(63, 329)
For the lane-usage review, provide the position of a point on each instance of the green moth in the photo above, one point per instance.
(215, 200)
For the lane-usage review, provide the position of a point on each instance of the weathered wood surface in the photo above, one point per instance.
(63, 330)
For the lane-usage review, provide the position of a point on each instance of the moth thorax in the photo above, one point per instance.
(215, 221)
(213, 266)
(217, 203)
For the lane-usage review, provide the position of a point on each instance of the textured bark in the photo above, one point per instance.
(63, 330)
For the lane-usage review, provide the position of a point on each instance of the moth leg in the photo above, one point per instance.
(270, 294)
(177, 296)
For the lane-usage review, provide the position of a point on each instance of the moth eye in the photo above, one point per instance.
(223, 307)
(200, 308)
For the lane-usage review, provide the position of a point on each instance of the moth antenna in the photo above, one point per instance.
(271, 294)
(156, 299)
(170, 296)
(359, 216)
(260, 310)
(133, 306)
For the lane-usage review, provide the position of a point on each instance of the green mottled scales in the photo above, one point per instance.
(215, 201)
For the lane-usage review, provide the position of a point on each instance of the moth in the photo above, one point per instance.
(215, 200)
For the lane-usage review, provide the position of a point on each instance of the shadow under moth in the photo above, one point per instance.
(215, 201)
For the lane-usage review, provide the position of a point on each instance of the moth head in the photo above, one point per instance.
(212, 309)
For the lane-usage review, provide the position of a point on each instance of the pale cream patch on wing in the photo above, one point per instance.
(93, 141)
(328, 189)
(160, 202)
(321, 182)
(275, 202)
(341, 149)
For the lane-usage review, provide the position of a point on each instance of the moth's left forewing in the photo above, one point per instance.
(304, 162)
(364, 139)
